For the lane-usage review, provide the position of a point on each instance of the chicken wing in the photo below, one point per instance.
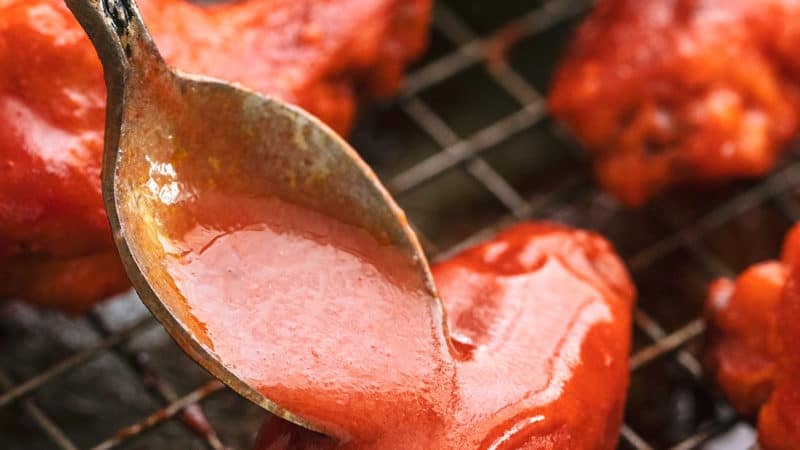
(667, 92)
(754, 333)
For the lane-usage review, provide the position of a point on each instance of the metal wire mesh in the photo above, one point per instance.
(467, 149)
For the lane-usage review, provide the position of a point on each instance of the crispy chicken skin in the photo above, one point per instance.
(55, 244)
(667, 92)
(753, 346)
(508, 302)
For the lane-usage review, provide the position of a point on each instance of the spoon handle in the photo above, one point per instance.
(119, 35)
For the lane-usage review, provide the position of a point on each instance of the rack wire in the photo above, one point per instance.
(467, 149)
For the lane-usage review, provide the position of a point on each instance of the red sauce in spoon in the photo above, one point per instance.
(320, 316)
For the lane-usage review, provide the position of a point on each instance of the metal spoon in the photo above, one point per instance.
(151, 107)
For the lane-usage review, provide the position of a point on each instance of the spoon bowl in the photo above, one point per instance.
(175, 141)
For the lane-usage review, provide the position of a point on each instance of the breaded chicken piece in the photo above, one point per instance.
(667, 92)
(753, 347)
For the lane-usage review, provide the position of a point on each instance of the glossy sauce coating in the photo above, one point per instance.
(318, 315)
(668, 92)
(539, 326)
(752, 351)
(55, 244)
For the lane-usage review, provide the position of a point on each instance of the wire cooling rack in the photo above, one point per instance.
(467, 149)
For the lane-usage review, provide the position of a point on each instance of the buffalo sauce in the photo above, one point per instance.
(318, 315)
(337, 328)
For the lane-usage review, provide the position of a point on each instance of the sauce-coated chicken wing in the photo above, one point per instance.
(666, 92)
(753, 347)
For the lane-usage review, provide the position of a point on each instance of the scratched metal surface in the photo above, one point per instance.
(467, 149)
